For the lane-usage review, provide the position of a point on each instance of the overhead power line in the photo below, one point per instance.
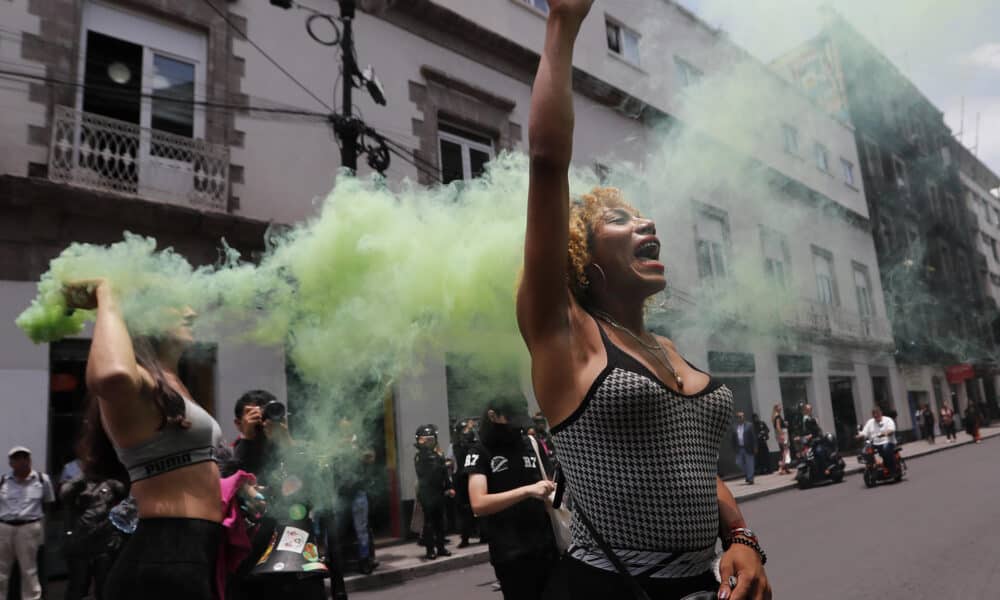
(233, 26)
(118, 92)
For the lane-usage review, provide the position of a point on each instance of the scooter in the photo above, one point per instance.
(819, 461)
(876, 471)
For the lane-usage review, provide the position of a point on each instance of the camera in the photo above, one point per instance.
(273, 411)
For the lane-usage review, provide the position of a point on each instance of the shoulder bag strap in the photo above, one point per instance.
(637, 592)
(541, 465)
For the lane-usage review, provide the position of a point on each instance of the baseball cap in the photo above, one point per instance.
(18, 450)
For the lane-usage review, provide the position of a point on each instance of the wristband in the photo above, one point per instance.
(756, 547)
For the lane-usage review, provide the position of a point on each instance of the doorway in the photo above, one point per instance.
(794, 395)
(845, 417)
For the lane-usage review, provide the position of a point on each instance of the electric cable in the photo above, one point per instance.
(267, 56)
(116, 92)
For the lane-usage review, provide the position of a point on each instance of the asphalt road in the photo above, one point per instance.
(931, 537)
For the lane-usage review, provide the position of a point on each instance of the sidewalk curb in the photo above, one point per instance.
(390, 577)
(856, 468)
(378, 580)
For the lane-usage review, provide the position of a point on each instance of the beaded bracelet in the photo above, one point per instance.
(756, 547)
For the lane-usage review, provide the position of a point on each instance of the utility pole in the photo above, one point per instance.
(346, 127)
(354, 135)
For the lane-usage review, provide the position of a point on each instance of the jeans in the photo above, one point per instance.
(359, 510)
(888, 452)
(745, 460)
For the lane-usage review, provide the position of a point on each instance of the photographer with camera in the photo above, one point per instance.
(433, 486)
(266, 449)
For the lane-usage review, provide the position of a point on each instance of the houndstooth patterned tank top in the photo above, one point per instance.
(641, 461)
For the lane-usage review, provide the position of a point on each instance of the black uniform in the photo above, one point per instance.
(433, 481)
(522, 547)
(466, 520)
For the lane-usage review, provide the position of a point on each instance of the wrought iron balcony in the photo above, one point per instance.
(826, 321)
(96, 152)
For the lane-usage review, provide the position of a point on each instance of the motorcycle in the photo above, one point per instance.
(819, 461)
(876, 471)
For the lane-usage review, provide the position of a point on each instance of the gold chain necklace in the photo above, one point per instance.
(655, 349)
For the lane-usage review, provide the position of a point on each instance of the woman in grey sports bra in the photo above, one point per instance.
(636, 426)
(166, 442)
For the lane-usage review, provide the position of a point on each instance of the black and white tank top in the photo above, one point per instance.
(641, 461)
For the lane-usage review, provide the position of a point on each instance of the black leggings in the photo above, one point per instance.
(591, 583)
(167, 559)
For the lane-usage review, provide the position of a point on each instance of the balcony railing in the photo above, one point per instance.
(96, 152)
(827, 321)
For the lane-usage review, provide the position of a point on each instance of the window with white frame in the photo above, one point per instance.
(996, 213)
(862, 290)
(463, 154)
(539, 5)
(987, 212)
(826, 286)
(848, 168)
(775, 248)
(886, 231)
(686, 73)
(710, 245)
(822, 157)
(898, 172)
(622, 41)
(933, 199)
(873, 157)
(142, 71)
(791, 136)
(993, 247)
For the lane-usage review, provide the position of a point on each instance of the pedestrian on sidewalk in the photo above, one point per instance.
(508, 493)
(24, 495)
(745, 441)
(973, 421)
(781, 437)
(433, 487)
(948, 423)
(919, 429)
(928, 421)
(92, 542)
(763, 459)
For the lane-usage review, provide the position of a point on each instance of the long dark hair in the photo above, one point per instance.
(94, 449)
(168, 400)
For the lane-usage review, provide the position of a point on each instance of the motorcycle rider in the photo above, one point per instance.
(881, 430)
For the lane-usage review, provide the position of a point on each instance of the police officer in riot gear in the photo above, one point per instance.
(433, 486)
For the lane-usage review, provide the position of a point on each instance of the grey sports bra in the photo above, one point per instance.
(173, 447)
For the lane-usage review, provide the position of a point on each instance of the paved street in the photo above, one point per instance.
(927, 538)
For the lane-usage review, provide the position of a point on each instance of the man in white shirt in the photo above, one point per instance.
(23, 492)
(881, 430)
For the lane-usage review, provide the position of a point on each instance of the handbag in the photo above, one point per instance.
(559, 515)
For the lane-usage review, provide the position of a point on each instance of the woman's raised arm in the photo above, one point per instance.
(542, 300)
(112, 372)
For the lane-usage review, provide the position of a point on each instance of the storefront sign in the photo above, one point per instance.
(731, 362)
(795, 363)
(959, 373)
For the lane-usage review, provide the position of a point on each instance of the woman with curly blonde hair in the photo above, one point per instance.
(637, 427)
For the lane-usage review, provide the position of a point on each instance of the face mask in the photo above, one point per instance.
(503, 434)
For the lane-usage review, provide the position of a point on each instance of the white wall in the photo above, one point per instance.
(421, 398)
(24, 379)
(242, 367)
